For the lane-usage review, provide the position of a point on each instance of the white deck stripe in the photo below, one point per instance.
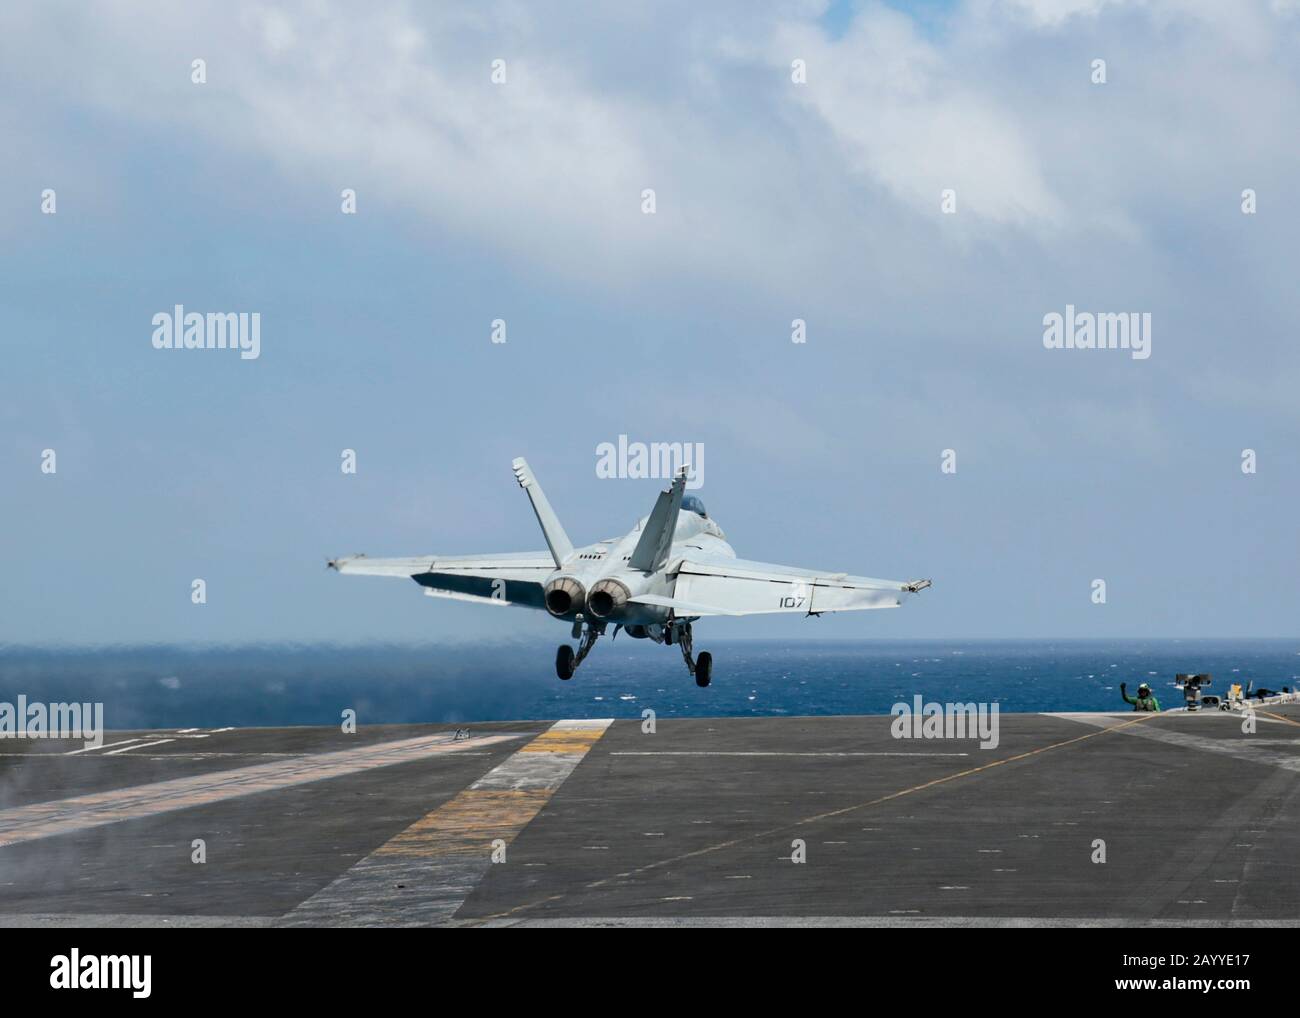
(1242, 747)
(143, 745)
(87, 749)
(81, 812)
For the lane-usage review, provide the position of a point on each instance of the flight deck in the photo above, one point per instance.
(1073, 819)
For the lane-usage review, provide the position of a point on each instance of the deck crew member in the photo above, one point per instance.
(1145, 700)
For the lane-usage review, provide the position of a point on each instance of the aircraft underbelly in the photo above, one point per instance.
(643, 615)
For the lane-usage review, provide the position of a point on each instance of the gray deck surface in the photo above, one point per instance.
(695, 823)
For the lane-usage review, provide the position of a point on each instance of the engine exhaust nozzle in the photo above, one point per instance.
(564, 596)
(607, 597)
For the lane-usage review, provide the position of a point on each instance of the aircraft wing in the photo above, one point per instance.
(486, 579)
(740, 587)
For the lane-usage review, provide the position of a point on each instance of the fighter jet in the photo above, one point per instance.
(674, 568)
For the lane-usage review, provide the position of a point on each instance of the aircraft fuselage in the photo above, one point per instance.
(597, 582)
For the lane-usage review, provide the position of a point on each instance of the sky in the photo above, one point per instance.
(523, 200)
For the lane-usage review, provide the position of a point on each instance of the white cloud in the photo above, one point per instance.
(824, 194)
(1053, 13)
(907, 122)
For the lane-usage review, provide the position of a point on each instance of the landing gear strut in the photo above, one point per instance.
(701, 667)
(566, 661)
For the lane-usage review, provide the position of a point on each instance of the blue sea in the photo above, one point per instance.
(169, 687)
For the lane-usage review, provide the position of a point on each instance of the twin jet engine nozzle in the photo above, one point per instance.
(564, 597)
(607, 598)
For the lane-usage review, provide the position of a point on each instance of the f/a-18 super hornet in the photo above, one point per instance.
(674, 568)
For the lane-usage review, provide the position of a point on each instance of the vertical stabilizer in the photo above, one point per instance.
(556, 539)
(657, 537)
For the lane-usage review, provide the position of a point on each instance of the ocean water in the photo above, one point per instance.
(167, 687)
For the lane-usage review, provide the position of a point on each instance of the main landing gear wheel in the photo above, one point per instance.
(703, 668)
(680, 633)
(566, 661)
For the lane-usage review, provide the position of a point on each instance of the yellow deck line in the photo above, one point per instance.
(423, 875)
(473, 819)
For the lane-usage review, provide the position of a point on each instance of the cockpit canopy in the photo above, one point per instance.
(692, 503)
